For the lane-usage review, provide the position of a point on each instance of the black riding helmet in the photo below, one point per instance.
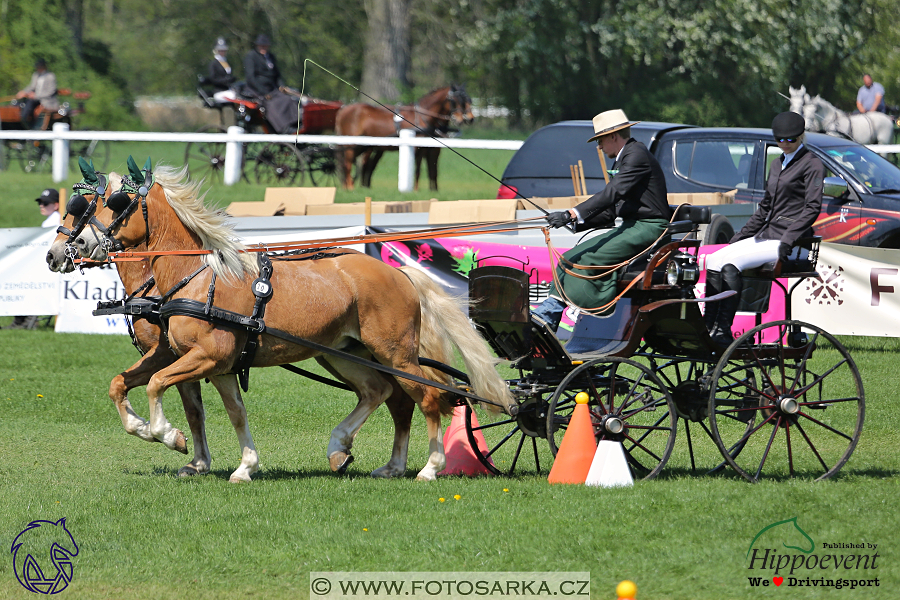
(788, 125)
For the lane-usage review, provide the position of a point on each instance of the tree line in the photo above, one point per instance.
(705, 62)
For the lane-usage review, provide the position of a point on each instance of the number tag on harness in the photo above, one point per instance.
(262, 288)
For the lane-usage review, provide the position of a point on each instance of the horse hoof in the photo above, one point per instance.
(384, 473)
(180, 443)
(238, 479)
(190, 471)
(339, 461)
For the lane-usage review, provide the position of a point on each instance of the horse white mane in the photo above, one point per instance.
(213, 227)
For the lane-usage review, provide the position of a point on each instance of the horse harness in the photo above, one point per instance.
(418, 110)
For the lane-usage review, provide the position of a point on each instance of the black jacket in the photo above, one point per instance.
(218, 77)
(637, 190)
(261, 72)
(792, 202)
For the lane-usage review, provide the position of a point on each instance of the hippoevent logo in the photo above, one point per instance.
(783, 554)
(42, 556)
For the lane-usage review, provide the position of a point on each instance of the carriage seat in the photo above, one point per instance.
(758, 281)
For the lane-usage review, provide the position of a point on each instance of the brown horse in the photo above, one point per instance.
(157, 354)
(338, 300)
(431, 116)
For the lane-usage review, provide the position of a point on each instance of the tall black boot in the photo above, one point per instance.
(713, 287)
(731, 280)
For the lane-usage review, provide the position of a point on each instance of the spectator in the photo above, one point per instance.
(41, 91)
(220, 75)
(870, 96)
(48, 202)
(261, 69)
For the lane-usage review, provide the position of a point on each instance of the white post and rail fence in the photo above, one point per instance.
(235, 137)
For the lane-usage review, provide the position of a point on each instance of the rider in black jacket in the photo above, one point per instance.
(260, 69)
(792, 202)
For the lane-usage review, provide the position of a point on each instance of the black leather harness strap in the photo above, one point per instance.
(227, 318)
(262, 289)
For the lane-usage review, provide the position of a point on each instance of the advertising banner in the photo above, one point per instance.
(27, 287)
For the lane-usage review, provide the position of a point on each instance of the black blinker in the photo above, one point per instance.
(118, 201)
(77, 205)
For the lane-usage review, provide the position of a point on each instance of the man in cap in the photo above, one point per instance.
(790, 206)
(260, 68)
(41, 91)
(48, 202)
(220, 75)
(636, 193)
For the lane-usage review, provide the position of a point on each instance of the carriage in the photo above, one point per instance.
(273, 163)
(36, 155)
(784, 399)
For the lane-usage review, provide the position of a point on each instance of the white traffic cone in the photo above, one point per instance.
(609, 467)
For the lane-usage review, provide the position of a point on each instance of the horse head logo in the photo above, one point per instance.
(39, 549)
(787, 531)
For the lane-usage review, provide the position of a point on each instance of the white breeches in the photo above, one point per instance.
(748, 254)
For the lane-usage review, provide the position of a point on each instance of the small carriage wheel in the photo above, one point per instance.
(687, 379)
(628, 404)
(32, 155)
(279, 164)
(206, 159)
(91, 150)
(803, 390)
(322, 165)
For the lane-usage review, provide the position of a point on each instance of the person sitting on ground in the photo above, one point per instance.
(220, 75)
(40, 91)
(48, 202)
(636, 192)
(870, 96)
(790, 206)
(261, 69)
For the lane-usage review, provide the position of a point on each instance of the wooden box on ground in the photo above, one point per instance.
(283, 201)
(472, 211)
(702, 199)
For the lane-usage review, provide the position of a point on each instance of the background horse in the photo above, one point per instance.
(867, 128)
(338, 300)
(431, 115)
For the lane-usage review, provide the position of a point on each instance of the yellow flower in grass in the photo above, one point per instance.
(457, 497)
(505, 489)
(364, 529)
(40, 395)
(441, 500)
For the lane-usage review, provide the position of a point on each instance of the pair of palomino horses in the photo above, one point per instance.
(340, 301)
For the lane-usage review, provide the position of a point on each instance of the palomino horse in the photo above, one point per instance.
(867, 128)
(157, 354)
(338, 299)
(431, 115)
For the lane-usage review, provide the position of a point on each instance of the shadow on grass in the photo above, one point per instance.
(729, 474)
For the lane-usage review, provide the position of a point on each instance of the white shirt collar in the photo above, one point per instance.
(789, 157)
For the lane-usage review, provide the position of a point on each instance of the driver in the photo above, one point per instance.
(636, 192)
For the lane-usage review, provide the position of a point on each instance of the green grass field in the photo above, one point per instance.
(145, 533)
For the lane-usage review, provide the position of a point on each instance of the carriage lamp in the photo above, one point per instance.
(682, 269)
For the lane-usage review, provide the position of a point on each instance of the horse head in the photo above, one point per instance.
(460, 105)
(36, 548)
(811, 117)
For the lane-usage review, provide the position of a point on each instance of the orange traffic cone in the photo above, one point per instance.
(461, 460)
(573, 459)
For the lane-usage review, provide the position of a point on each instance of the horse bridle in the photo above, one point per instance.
(119, 202)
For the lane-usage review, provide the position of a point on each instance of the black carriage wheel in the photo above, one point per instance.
(688, 380)
(279, 164)
(322, 165)
(628, 404)
(206, 159)
(91, 150)
(512, 446)
(805, 394)
(33, 155)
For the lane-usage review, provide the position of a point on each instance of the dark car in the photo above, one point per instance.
(861, 206)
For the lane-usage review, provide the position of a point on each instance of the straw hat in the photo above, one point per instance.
(610, 121)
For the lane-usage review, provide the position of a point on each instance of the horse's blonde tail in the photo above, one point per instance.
(445, 325)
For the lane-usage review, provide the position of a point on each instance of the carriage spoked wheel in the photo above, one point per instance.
(628, 404)
(278, 164)
(688, 381)
(322, 165)
(206, 159)
(512, 445)
(803, 393)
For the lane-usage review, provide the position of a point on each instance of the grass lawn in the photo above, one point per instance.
(142, 532)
